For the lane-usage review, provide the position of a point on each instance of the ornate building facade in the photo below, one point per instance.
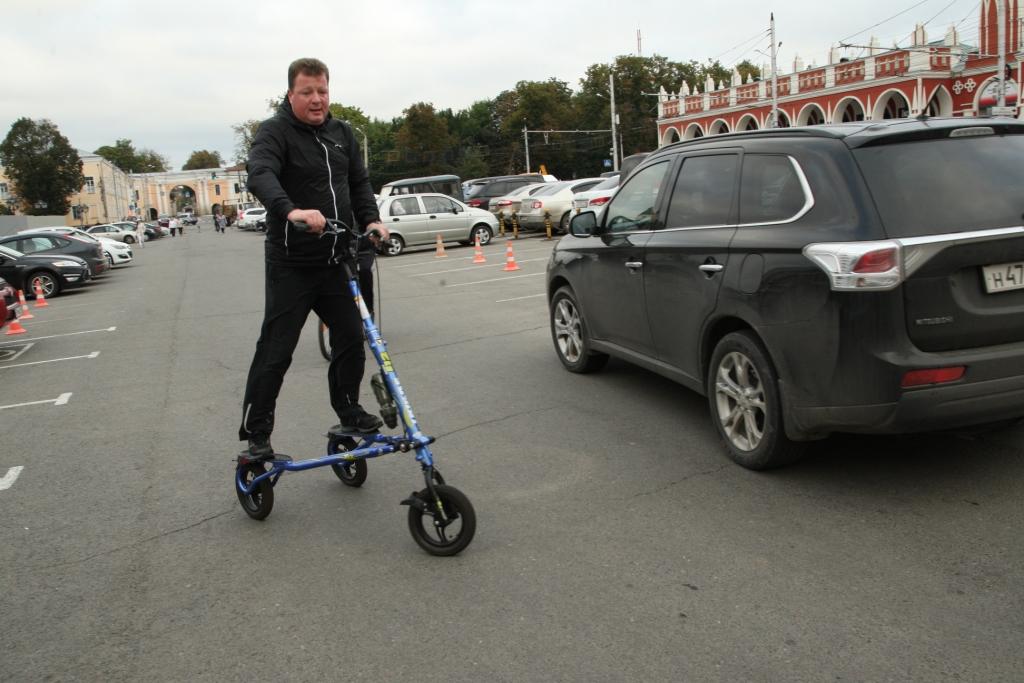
(942, 78)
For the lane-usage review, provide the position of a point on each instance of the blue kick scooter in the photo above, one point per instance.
(441, 518)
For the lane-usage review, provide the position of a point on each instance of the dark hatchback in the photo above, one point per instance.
(861, 277)
(53, 273)
(54, 243)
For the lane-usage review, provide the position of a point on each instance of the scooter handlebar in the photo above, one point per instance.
(334, 226)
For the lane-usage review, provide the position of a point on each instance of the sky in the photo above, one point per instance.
(174, 76)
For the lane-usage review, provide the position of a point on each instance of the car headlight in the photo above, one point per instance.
(67, 264)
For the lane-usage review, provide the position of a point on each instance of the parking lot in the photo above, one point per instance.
(615, 540)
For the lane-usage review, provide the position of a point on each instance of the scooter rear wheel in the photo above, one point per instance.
(260, 502)
(443, 537)
(351, 473)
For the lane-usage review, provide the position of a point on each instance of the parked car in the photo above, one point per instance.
(164, 221)
(450, 185)
(10, 306)
(116, 253)
(51, 242)
(188, 218)
(596, 197)
(812, 280)
(418, 219)
(157, 230)
(555, 200)
(53, 273)
(249, 218)
(480, 191)
(510, 203)
(114, 232)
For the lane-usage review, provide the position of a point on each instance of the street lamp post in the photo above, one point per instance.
(615, 142)
(366, 146)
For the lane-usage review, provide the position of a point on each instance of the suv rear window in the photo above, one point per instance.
(947, 185)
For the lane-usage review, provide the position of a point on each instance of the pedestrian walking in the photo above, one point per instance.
(173, 225)
(140, 234)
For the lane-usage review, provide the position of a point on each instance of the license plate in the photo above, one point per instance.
(1003, 277)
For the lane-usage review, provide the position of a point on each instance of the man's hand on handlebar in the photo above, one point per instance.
(311, 217)
(378, 232)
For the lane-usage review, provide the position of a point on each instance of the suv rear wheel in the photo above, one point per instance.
(569, 332)
(744, 399)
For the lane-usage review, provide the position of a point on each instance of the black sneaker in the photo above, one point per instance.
(357, 420)
(259, 446)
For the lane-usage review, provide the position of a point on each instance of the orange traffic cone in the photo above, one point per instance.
(26, 314)
(15, 328)
(40, 299)
(510, 258)
(478, 253)
(440, 248)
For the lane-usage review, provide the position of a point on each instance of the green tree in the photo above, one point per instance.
(637, 80)
(6, 210)
(148, 161)
(245, 133)
(354, 115)
(124, 155)
(203, 158)
(746, 68)
(423, 142)
(43, 166)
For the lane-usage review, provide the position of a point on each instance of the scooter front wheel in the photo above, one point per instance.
(260, 502)
(351, 473)
(447, 534)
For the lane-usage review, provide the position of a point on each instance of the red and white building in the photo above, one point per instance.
(942, 78)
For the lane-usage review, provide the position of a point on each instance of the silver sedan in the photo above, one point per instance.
(418, 219)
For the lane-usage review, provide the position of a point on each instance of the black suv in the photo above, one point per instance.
(862, 277)
(480, 191)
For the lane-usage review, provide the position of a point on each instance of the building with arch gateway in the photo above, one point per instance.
(941, 78)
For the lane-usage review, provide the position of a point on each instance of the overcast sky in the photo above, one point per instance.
(174, 76)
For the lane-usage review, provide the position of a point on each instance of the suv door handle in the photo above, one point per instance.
(633, 265)
(711, 267)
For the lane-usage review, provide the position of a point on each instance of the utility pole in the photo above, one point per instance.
(615, 142)
(526, 145)
(775, 79)
(1001, 18)
(639, 44)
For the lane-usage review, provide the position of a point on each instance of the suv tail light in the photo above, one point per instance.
(475, 203)
(505, 202)
(599, 201)
(918, 378)
(859, 266)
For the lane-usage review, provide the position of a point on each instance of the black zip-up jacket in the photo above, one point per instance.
(293, 165)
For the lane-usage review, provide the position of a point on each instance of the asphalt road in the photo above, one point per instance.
(615, 541)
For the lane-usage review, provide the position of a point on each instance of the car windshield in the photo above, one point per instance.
(476, 189)
(552, 188)
(7, 251)
(607, 184)
(934, 186)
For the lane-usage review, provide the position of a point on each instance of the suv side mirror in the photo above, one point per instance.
(455, 209)
(583, 224)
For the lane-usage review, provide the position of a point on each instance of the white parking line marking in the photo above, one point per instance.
(520, 298)
(7, 481)
(68, 334)
(4, 358)
(94, 354)
(491, 265)
(59, 401)
(497, 279)
(75, 317)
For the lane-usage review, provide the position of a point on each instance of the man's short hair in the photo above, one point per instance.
(308, 66)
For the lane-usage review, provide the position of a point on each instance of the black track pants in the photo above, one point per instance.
(291, 293)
